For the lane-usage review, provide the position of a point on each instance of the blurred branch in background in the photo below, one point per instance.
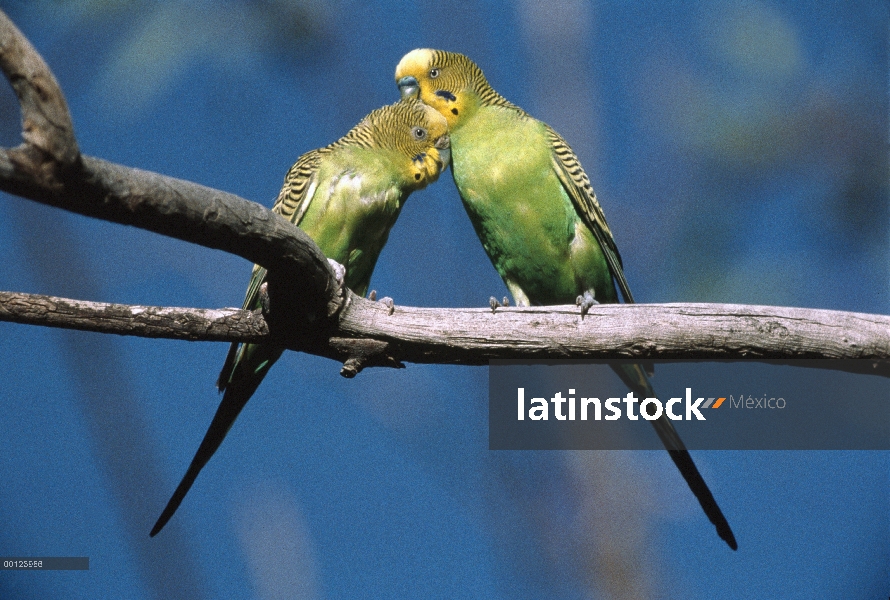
(778, 149)
(233, 37)
(111, 409)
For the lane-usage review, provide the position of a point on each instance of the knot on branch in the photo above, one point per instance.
(50, 148)
(359, 354)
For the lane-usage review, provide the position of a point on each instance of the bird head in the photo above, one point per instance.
(418, 133)
(434, 149)
(449, 82)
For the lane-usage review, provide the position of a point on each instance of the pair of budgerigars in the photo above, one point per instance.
(529, 200)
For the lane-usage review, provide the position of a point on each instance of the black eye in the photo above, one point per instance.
(419, 133)
(434, 73)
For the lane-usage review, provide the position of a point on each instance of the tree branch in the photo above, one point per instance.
(369, 335)
(222, 325)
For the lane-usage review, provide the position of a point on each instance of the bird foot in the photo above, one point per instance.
(385, 301)
(494, 304)
(388, 303)
(585, 301)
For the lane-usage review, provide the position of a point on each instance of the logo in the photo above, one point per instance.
(571, 408)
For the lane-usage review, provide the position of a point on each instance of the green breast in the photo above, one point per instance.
(356, 203)
(502, 165)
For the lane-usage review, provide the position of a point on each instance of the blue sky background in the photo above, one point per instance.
(739, 150)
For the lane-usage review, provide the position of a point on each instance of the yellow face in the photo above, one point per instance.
(417, 132)
(438, 79)
(430, 145)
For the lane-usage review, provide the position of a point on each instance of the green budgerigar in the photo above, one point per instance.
(535, 213)
(346, 197)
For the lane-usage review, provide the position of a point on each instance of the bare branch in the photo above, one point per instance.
(367, 335)
(665, 331)
(222, 325)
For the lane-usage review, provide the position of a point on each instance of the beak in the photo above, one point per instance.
(409, 87)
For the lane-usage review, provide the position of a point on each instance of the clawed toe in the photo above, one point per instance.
(494, 304)
(385, 301)
(585, 301)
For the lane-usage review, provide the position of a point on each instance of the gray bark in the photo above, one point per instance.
(366, 333)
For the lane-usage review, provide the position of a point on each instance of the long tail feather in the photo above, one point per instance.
(247, 376)
(635, 378)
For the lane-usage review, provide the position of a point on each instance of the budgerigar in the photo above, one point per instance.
(346, 197)
(535, 212)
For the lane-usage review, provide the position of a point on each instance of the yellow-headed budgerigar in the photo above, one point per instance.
(535, 213)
